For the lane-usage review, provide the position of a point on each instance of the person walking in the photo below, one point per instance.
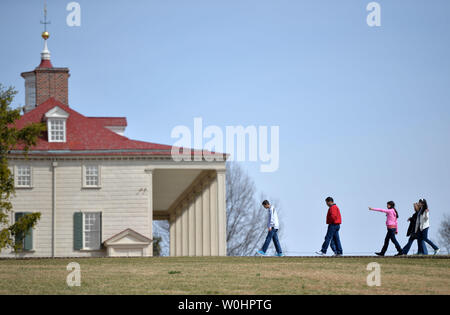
(411, 229)
(392, 228)
(272, 235)
(334, 221)
(422, 226)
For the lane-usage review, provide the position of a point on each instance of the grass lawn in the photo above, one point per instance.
(226, 275)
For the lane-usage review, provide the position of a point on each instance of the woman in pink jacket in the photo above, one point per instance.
(391, 223)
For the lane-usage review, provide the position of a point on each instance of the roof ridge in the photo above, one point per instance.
(106, 117)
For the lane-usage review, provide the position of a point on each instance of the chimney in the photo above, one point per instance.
(45, 81)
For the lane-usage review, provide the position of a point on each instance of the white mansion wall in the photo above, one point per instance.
(36, 199)
(123, 200)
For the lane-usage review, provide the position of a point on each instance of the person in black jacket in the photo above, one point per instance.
(412, 229)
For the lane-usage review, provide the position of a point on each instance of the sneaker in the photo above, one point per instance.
(436, 251)
(260, 253)
(320, 253)
(279, 254)
(399, 254)
(337, 255)
(379, 254)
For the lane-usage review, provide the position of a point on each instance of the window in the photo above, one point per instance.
(57, 130)
(91, 176)
(87, 230)
(56, 124)
(23, 176)
(91, 230)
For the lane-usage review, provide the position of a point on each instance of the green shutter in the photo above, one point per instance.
(78, 230)
(27, 241)
(101, 227)
(18, 238)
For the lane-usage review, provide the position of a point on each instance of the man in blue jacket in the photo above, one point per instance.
(272, 226)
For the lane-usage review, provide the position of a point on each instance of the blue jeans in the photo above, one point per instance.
(333, 238)
(390, 236)
(423, 237)
(411, 240)
(272, 235)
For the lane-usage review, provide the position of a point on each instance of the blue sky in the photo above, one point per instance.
(363, 112)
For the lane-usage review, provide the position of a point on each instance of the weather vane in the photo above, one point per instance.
(45, 34)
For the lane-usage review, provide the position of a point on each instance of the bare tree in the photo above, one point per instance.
(444, 233)
(161, 231)
(246, 220)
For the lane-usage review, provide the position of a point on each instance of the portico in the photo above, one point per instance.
(193, 201)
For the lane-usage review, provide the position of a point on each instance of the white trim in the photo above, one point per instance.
(117, 129)
(57, 112)
(161, 161)
(150, 173)
(141, 239)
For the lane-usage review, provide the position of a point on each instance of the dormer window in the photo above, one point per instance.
(56, 124)
(57, 130)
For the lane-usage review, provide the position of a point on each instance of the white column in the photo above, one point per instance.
(185, 229)
(206, 220)
(214, 218)
(172, 241)
(178, 233)
(221, 212)
(191, 211)
(198, 225)
(149, 172)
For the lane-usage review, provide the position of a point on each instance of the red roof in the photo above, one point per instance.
(87, 135)
(111, 121)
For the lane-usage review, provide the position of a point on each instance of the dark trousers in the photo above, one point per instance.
(272, 235)
(411, 240)
(332, 237)
(390, 236)
(423, 238)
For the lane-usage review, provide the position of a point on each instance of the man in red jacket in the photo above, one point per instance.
(334, 223)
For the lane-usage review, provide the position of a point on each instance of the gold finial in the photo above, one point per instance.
(45, 35)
